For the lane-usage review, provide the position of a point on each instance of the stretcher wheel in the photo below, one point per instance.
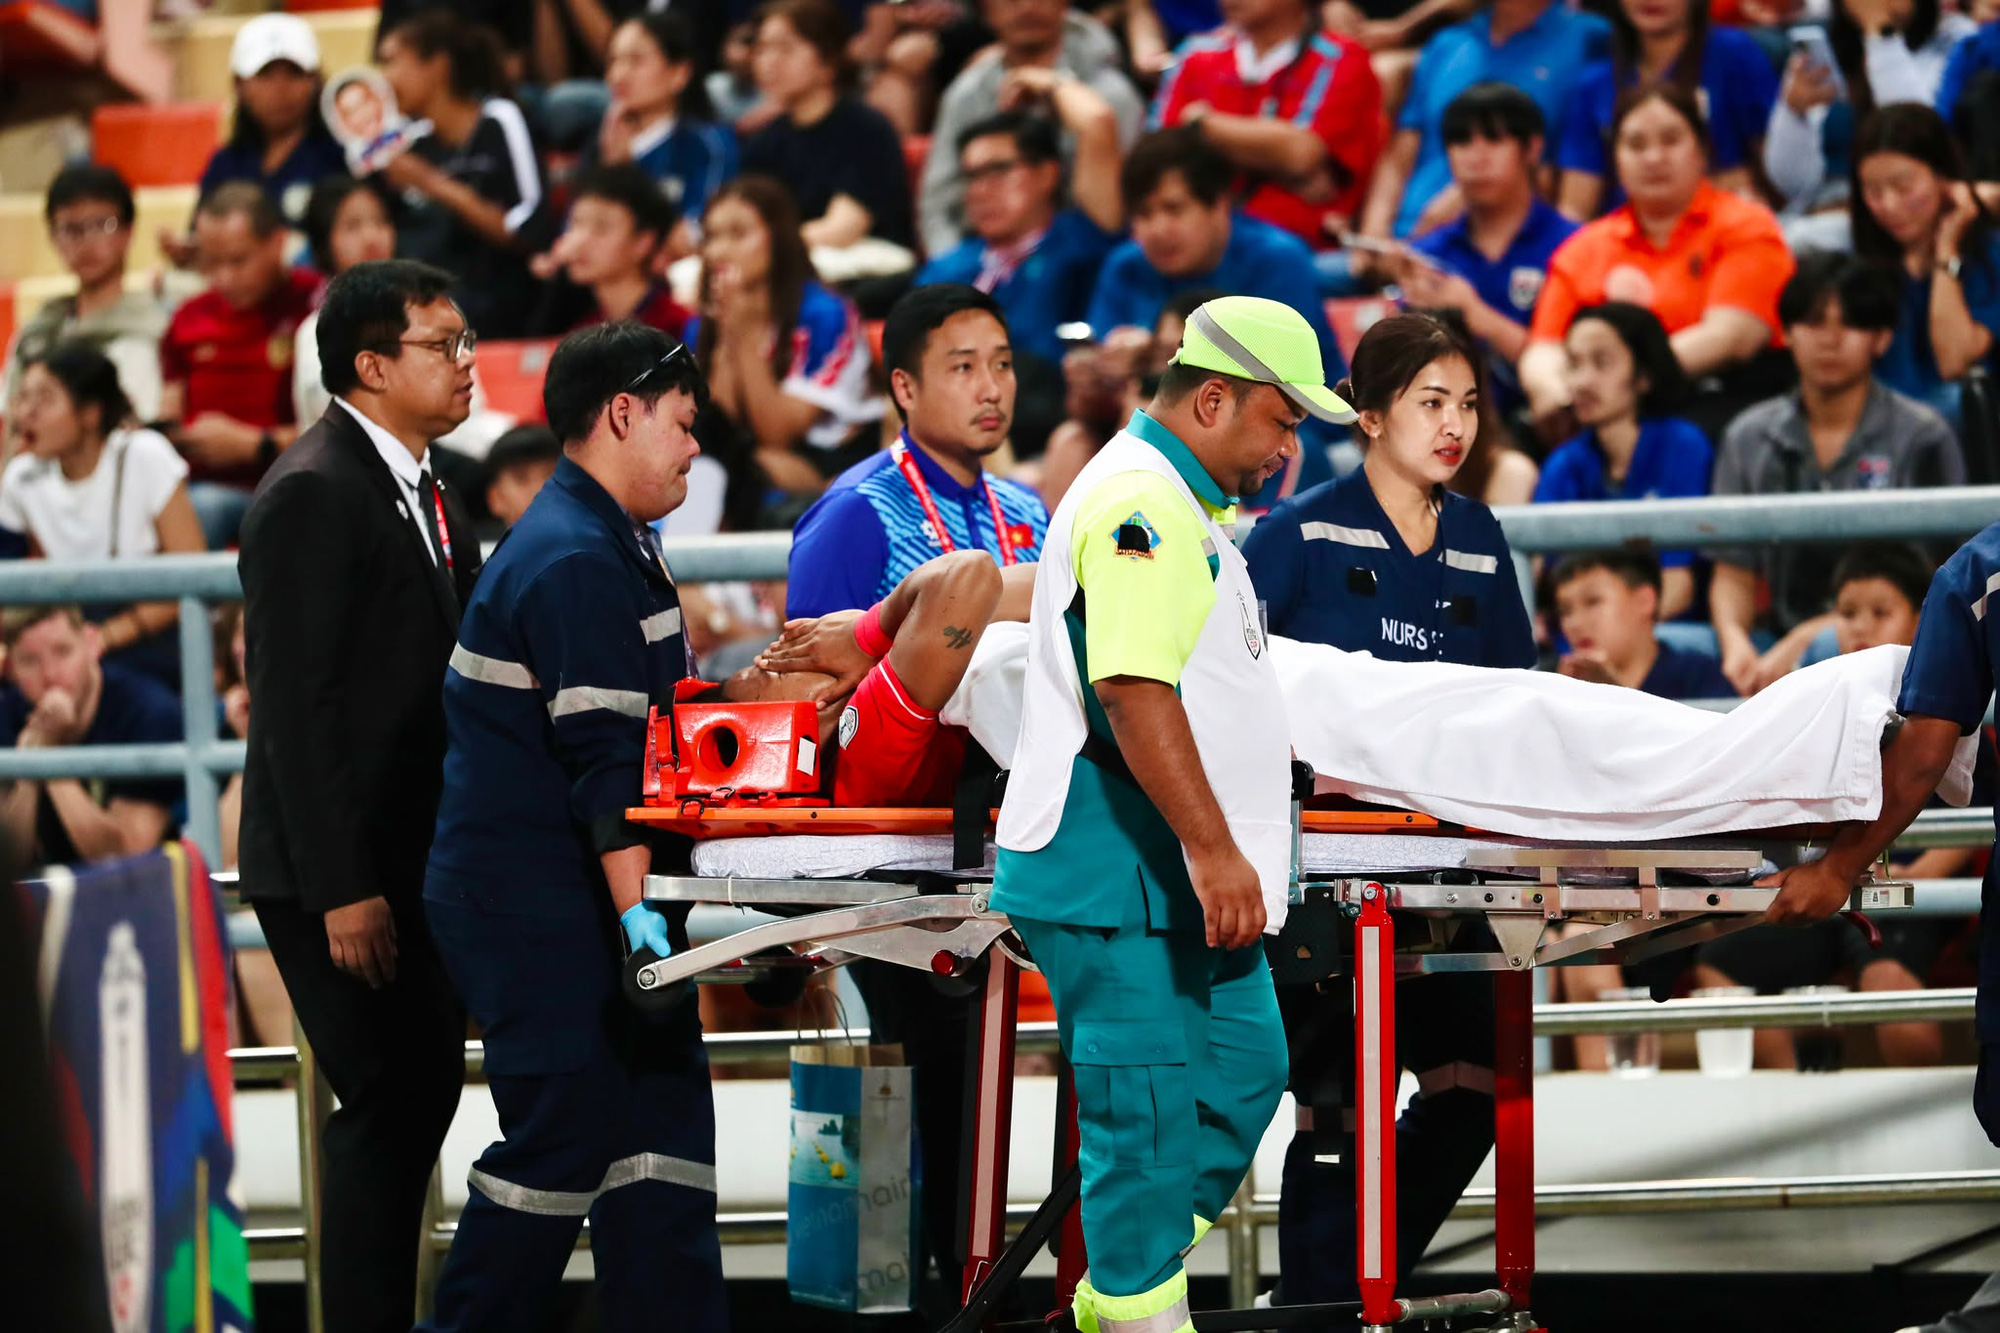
(652, 999)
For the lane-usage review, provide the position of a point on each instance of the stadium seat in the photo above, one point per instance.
(156, 145)
(1979, 427)
(46, 38)
(511, 374)
(40, 38)
(1352, 316)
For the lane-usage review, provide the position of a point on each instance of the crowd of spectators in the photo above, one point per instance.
(1705, 249)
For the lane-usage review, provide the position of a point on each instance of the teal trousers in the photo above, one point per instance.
(1179, 1061)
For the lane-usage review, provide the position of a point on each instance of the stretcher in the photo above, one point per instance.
(1377, 895)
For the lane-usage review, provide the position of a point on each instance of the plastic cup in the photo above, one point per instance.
(1633, 1054)
(1816, 1050)
(1724, 1052)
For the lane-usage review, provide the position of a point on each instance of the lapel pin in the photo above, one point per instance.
(402, 511)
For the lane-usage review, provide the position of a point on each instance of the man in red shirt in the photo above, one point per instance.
(226, 358)
(1296, 108)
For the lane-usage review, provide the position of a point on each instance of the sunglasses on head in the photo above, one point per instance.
(679, 350)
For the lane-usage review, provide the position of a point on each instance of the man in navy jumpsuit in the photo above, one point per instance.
(1953, 669)
(1330, 567)
(573, 634)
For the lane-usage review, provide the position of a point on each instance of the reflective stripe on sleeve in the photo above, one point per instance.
(657, 627)
(491, 670)
(1346, 536)
(577, 1203)
(588, 698)
(1979, 607)
(1472, 564)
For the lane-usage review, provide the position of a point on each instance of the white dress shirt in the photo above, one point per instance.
(409, 474)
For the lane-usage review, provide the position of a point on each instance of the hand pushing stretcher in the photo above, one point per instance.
(1376, 895)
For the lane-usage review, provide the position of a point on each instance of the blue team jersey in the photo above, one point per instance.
(1510, 284)
(691, 161)
(573, 633)
(1738, 87)
(865, 535)
(1543, 60)
(1049, 287)
(1975, 55)
(1951, 675)
(1680, 674)
(1910, 365)
(1673, 460)
(1331, 568)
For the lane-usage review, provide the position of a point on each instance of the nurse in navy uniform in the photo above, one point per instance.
(1388, 562)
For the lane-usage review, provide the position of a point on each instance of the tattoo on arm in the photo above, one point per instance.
(954, 637)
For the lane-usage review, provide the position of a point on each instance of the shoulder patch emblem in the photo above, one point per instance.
(1135, 538)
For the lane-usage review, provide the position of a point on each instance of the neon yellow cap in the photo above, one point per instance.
(1267, 341)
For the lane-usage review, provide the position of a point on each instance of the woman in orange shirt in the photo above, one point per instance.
(1709, 263)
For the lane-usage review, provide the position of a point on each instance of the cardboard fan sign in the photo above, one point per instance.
(360, 108)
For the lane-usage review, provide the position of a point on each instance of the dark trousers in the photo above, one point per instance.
(604, 1113)
(395, 1058)
(1444, 1024)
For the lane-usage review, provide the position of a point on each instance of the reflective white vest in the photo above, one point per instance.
(1229, 688)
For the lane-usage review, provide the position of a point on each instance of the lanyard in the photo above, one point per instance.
(907, 465)
(444, 529)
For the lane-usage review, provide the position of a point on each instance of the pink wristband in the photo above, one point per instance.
(868, 633)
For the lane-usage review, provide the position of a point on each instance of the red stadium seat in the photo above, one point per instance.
(1352, 316)
(511, 374)
(47, 38)
(156, 145)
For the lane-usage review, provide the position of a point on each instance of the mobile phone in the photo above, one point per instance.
(1810, 40)
(1354, 240)
(1075, 333)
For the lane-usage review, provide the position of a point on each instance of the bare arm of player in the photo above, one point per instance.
(1911, 768)
(1152, 731)
(934, 618)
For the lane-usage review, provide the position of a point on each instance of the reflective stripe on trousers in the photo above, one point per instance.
(576, 1203)
(1170, 1320)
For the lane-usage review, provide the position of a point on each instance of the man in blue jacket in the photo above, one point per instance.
(573, 634)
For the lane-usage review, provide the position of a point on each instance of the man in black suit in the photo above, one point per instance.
(355, 565)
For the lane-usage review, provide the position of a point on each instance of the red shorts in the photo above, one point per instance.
(893, 752)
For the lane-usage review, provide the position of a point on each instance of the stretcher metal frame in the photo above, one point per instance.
(1635, 903)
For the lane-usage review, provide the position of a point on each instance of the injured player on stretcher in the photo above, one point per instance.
(1522, 753)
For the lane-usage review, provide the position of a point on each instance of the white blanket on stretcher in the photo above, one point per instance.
(1535, 754)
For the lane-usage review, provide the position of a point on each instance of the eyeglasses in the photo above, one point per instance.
(457, 345)
(991, 171)
(680, 350)
(72, 232)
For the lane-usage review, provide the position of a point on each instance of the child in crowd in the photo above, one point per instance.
(1607, 603)
(1878, 592)
(518, 465)
(1624, 383)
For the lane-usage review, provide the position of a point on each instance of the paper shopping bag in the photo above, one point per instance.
(854, 1183)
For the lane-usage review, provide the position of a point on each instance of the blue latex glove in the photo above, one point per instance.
(646, 929)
